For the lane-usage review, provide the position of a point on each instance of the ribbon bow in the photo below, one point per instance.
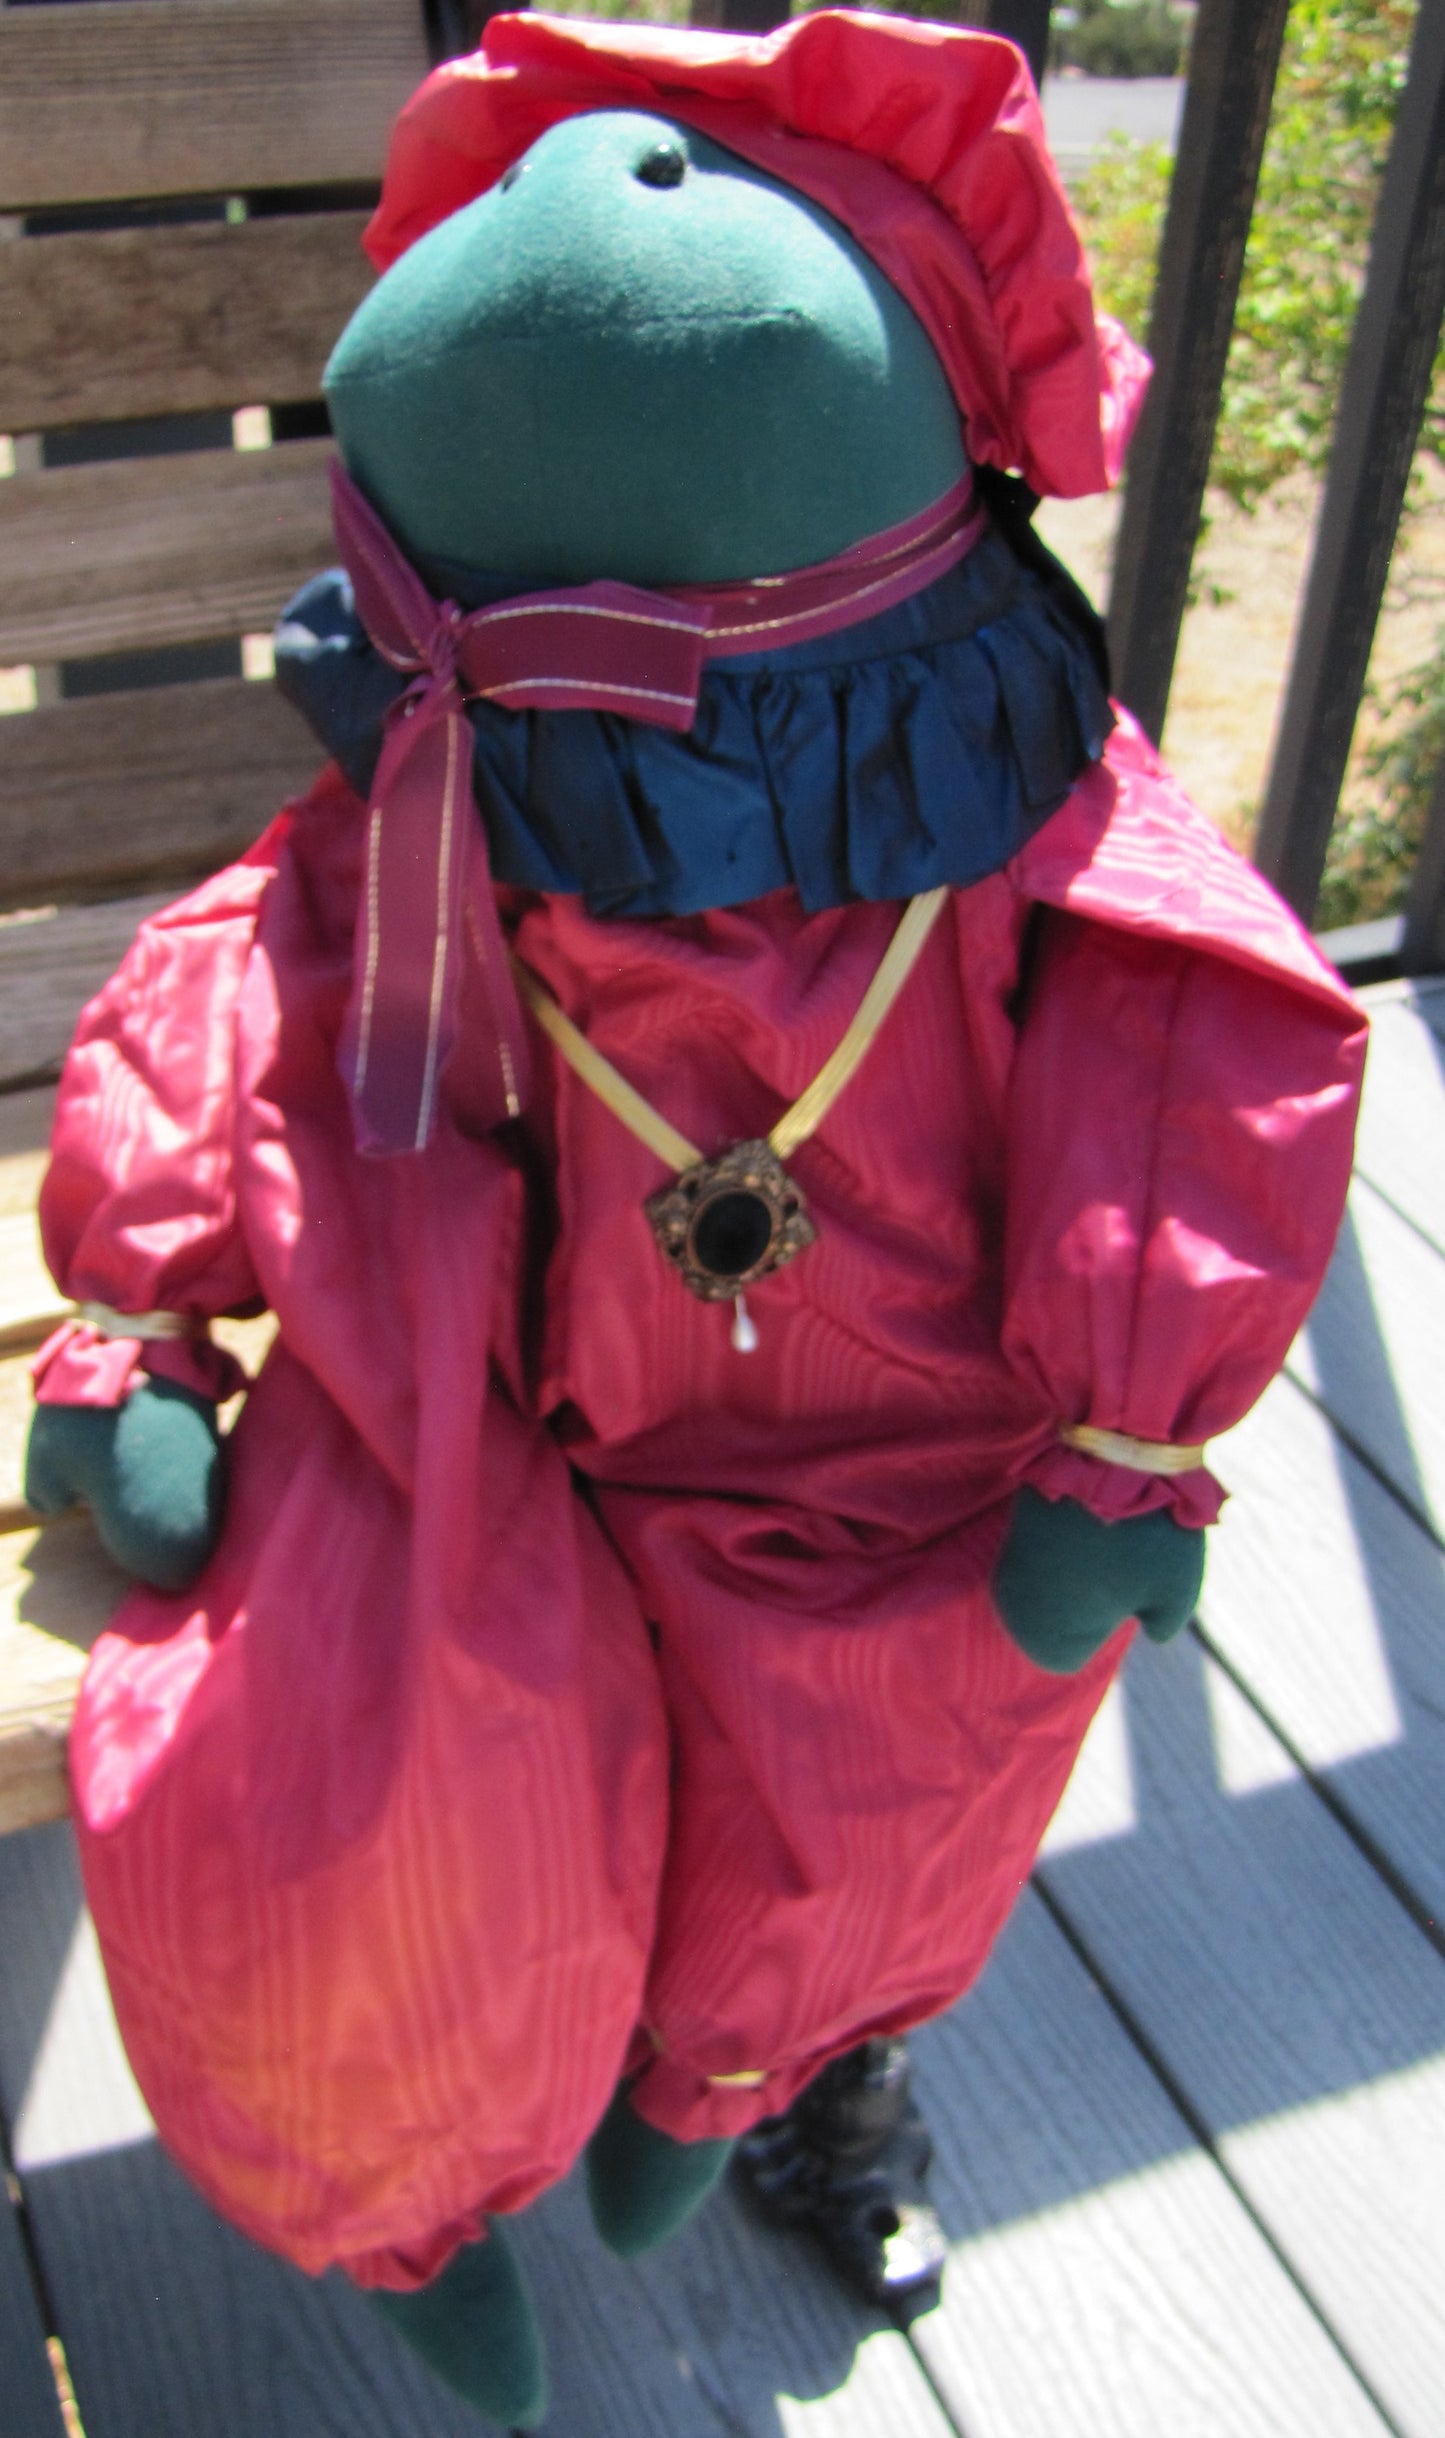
(598, 647)
(593, 647)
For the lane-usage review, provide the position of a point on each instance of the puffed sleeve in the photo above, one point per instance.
(138, 1209)
(1181, 1120)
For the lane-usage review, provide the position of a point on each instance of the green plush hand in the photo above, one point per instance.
(151, 1471)
(1065, 1581)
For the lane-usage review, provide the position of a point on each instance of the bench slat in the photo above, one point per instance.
(173, 550)
(30, 1304)
(16, 1407)
(58, 1591)
(128, 789)
(169, 321)
(51, 961)
(105, 99)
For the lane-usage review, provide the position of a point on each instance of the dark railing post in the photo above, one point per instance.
(1233, 62)
(739, 16)
(1422, 944)
(454, 27)
(1025, 22)
(1382, 402)
(448, 33)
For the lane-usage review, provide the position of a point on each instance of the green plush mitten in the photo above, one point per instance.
(151, 1470)
(1065, 1581)
(643, 2185)
(475, 2326)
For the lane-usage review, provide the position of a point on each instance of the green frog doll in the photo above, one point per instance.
(742, 1085)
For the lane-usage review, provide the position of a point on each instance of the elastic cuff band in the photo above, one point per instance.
(1139, 1455)
(113, 1324)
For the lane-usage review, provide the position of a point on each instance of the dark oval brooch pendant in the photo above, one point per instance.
(731, 1220)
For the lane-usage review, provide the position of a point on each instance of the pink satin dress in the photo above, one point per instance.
(571, 1693)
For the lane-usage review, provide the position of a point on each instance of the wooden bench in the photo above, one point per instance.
(183, 186)
(57, 1587)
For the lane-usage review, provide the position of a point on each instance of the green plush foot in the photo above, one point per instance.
(476, 2328)
(642, 2184)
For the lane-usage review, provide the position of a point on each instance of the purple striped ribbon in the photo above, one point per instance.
(592, 647)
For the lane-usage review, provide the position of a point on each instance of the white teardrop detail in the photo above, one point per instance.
(745, 1334)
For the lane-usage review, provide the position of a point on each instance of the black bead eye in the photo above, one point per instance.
(509, 177)
(662, 164)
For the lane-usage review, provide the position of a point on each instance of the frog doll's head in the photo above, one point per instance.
(637, 356)
(664, 310)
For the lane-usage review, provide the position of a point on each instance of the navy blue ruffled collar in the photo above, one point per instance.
(920, 747)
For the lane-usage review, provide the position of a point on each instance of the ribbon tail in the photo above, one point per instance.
(489, 1077)
(392, 602)
(401, 1021)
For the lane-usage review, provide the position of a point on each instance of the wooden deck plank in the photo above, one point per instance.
(1426, 995)
(58, 1590)
(1401, 1142)
(177, 549)
(1330, 1604)
(174, 320)
(1293, 2003)
(120, 98)
(1373, 1350)
(732, 2330)
(29, 2406)
(1072, 2192)
(174, 2324)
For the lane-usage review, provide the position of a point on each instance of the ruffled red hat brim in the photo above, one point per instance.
(926, 141)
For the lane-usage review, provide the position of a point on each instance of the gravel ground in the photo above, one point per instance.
(1235, 649)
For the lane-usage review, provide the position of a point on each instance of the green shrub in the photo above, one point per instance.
(643, 12)
(1119, 38)
(1343, 69)
(1382, 822)
(1120, 203)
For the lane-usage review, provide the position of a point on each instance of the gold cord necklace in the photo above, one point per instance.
(724, 1222)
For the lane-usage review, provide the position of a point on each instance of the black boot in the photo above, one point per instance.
(848, 2163)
